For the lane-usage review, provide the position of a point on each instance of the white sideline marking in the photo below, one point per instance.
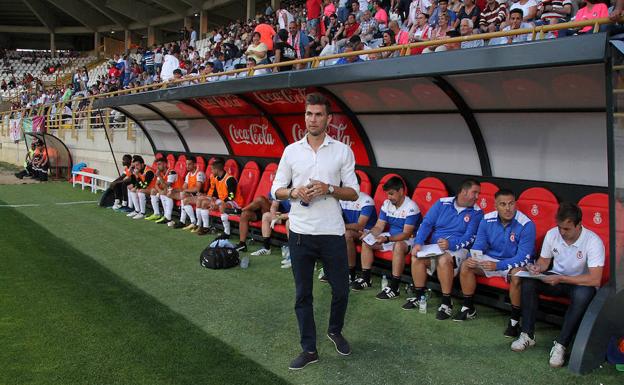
(39, 204)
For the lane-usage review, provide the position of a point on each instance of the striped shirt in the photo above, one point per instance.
(494, 15)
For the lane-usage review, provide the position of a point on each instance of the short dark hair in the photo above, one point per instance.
(161, 160)
(283, 35)
(394, 183)
(218, 163)
(569, 211)
(467, 184)
(177, 71)
(518, 11)
(505, 192)
(191, 158)
(355, 39)
(138, 158)
(316, 99)
(127, 157)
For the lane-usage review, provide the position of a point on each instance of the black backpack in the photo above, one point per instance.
(219, 258)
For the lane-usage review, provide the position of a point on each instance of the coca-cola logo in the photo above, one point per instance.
(336, 131)
(285, 96)
(255, 134)
(227, 101)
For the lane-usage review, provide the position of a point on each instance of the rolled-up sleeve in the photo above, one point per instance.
(347, 171)
(283, 176)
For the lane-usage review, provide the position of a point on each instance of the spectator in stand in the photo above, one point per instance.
(381, 16)
(284, 52)
(554, 11)
(158, 60)
(515, 22)
(313, 12)
(466, 28)
(192, 37)
(257, 49)
(284, 18)
(148, 59)
(333, 30)
(267, 33)
(388, 41)
(343, 11)
(593, 9)
(356, 11)
(368, 27)
(416, 8)
(492, 16)
(528, 7)
(349, 47)
(469, 11)
(401, 37)
(299, 40)
(442, 8)
(351, 28)
(4, 85)
(171, 63)
(438, 32)
(421, 31)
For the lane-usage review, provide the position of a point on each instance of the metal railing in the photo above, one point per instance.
(88, 118)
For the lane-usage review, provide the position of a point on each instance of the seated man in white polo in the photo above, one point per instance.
(505, 243)
(402, 216)
(578, 257)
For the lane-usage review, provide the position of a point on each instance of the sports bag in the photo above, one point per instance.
(219, 258)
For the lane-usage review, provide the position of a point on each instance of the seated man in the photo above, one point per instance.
(278, 213)
(221, 195)
(507, 236)
(180, 189)
(402, 216)
(452, 223)
(165, 179)
(27, 171)
(251, 213)
(40, 162)
(359, 217)
(515, 22)
(120, 185)
(578, 257)
(188, 194)
(142, 182)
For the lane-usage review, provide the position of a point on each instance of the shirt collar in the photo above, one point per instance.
(328, 140)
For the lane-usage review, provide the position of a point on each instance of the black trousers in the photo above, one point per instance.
(304, 252)
(120, 189)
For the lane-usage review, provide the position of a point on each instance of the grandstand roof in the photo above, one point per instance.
(86, 16)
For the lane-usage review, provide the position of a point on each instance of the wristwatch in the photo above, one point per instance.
(330, 190)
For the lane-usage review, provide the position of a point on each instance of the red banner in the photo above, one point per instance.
(285, 101)
(251, 136)
(225, 105)
(340, 128)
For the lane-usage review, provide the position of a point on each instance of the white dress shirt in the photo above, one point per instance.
(333, 163)
(171, 63)
(575, 259)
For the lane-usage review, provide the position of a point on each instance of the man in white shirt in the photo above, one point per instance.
(578, 256)
(321, 172)
(170, 64)
(193, 37)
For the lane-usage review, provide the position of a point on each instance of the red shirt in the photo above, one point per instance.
(266, 35)
(313, 8)
(381, 16)
(349, 31)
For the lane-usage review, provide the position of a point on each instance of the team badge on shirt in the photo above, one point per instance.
(555, 251)
(467, 218)
(512, 237)
(579, 255)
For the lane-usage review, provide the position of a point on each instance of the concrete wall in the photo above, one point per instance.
(94, 152)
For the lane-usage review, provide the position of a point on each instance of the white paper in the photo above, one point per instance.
(526, 274)
(480, 257)
(427, 251)
(370, 239)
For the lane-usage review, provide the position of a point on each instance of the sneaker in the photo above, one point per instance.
(557, 355)
(286, 264)
(138, 216)
(132, 214)
(116, 206)
(324, 279)
(126, 209)
(195, 229)
(222, 236)
(360, 284)
(189, 227)
(512, 331)
(465, 313)
(171, 224)
(241, 247)
(522, 343)
(341, 344)
(387, 293)
(410, 304)
(162, 220)
(304, 359)
(444, 312)
(153, 217)
(179, 225)
(262, 251)
(202, 231)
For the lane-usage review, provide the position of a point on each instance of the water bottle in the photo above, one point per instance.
(244, 263)
(321, 273)
(422, 305)
(302, 203)
(384, 282)
(285, 252)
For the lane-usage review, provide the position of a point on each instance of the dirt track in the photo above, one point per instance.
(7, 177)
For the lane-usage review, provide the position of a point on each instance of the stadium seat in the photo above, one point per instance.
(486, 196)
(210, 162)
(181, 158)
(595, 208)
(158, 155)
(540, 205)
(180, 169)
(201, 163)
(247, 186)
(266, 180)
(380, 195)
(428, 192)
(231, 166)
(365, 183)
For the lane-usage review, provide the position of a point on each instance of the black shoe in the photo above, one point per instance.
(19, 175)
(341, 344)
(411, 304)
(465, 313)
(360, 284)
(202, 231)
(222, 236)
(324, 279)
(179, 225)
(444, 312)
(512, 331)
(387, 293)
(304, 359)
(241, 247)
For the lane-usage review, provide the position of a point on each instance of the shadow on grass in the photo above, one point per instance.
(68, 320)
